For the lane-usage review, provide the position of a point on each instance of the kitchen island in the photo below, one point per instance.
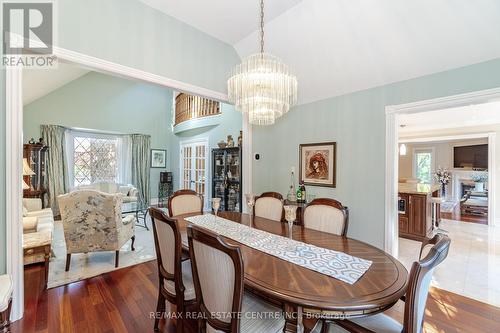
(415, 209)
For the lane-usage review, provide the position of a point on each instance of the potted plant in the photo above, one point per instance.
(443, 177)
(479, 180)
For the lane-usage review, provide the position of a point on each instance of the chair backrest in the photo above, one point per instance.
(91, 220)
(218, 279)
(168, 245)
(435, 250)
(185, 202)
(269, 205)
(327, 215)
(427, 245)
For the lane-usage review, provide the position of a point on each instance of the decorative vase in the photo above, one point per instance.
(240, 139)
(230, 141)
(443, 190)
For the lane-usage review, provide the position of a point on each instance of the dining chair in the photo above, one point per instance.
(218, 275)
(185, 202)
(433, 252)
(269, 205)
(175, 277)
(327, 215)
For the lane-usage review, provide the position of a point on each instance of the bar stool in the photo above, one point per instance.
(5, 302)
(435, 201)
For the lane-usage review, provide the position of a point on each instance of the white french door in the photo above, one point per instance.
(194, 167)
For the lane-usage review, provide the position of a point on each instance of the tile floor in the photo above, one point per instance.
(472, 268)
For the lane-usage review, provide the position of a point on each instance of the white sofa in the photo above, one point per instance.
(35, 218)
(129, 192)
(38, 229)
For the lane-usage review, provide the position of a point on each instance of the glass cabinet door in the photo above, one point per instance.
(233, 165)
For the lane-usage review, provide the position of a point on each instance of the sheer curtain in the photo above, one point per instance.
(141, 146)
(125, 158)
(57, 167)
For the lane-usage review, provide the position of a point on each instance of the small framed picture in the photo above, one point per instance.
(158, 158)
(318, 164)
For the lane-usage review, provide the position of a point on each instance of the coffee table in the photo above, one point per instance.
(140, 210)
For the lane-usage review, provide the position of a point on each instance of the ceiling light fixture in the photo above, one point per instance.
(262, 85)
(402, 150)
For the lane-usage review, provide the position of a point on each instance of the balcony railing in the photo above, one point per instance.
(188, 107)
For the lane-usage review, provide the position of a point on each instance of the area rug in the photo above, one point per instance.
(84, 266)
(448, 206)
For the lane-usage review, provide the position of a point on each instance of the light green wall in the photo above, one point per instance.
(357, 123)
(106, 103)
(130, 33)
(133, 34)
(229, 123)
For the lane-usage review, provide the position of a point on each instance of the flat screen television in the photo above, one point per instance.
(475, 157)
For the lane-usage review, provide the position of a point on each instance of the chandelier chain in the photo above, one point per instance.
(261, 26)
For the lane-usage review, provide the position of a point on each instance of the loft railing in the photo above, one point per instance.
(188, 107)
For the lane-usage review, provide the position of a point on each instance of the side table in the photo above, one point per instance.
(36, 248)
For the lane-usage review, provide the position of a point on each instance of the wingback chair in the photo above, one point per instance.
(269, 205)
(433, 252)
(92, 222)
(185, 202)
(218, 274)
(327, 215)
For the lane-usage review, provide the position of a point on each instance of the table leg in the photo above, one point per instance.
(293, 319)
(46, 265)
(143, 217)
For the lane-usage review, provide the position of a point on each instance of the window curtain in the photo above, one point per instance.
(57, 168)
(141, 146)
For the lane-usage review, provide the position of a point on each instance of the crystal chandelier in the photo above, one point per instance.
(262, 85)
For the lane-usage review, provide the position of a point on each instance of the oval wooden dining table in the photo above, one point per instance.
(301, 289)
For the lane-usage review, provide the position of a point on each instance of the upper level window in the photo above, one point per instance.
(423, 165)
(94, 158)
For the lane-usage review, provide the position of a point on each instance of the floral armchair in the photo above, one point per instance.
(93, 222)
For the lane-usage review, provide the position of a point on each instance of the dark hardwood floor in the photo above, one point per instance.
(456, 215)
(123, 301)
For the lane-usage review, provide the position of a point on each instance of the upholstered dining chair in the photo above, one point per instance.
(185, 202)
(92, 222)
(269, 205)
(218, 274)
(175, 278)
(326, 215)
(433, 252)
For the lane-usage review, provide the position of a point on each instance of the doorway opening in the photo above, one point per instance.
(442, 177)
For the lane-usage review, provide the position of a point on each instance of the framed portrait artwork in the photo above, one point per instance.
(158, 158)
(318, 164)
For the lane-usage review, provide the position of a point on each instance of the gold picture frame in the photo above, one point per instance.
(318, 164)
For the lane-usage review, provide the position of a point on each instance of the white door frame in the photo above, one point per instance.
(14, 145)
(392, 157)
(201, 141)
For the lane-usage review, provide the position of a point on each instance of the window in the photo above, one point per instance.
(424, 167)
(94, 158)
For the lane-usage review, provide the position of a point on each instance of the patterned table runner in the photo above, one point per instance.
(338, 265)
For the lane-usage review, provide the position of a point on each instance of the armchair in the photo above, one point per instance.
(92, 222)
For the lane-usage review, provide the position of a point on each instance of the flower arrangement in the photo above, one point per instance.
(442, 176)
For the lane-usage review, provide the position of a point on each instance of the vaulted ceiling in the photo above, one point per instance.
(40, 82)
(340, 46)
